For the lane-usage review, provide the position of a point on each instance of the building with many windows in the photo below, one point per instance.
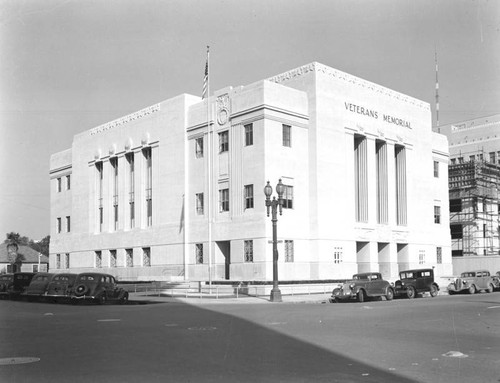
(162, 194)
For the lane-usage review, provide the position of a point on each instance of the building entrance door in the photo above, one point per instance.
(225, 249)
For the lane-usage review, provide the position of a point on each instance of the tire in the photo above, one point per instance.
(490, 288)
(410, 292)
(390, 294)
(361, 296)
(124, 299)
(451, 292)
(81, 290)
(472, 289)
(433, 291)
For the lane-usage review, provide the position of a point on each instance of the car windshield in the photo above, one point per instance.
(360, 277)
(469, 274)
(5, 278)
(407, 275)
(88, 278)
(41, 278)
(61, 278)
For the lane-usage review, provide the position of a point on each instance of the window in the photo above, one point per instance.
(248, 134)
(455, 205)
(248, 196)
(456, 231)
(437, 214)
(287, 135)
(453, 161)
(337, 255)
(223, 141)
(198, 147)
(58, 261)
(400, 160)
(436, 169)
(98, 259)
(288, 250)
(68, 223)
(493, 157)
(129, 257)
(68, 182)
(288, 197)
(360, 179)
(199, 204)
(149, 186)
(382, 182)
(199, 253)
(248, 248)
(460, 160)
(34, 268)
(59, 187)
(472, 158)
(114, 166)
(58, 225)
(224, 200)
(67, 261)
(112, 258)
(421, 257)
(146, 257)
(100, 212)
(439, 255)
(131, 182)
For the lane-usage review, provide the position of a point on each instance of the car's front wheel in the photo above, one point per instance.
(390, 294)
(433, 291)
(472, 289)
(410, 292)
(490, 288)
(361, 296)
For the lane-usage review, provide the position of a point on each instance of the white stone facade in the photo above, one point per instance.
(358, 161)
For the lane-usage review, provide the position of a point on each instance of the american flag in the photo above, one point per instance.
(205, 82)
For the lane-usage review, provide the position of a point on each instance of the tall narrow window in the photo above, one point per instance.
(421, 257)
(59, 183)
(67, 260)
(199, 253)
(287, 135)
(288, 250)
(149, 186)
(131, 183)
(248, 196)
(98, 259)
(439, 255)
(437, 214)
(436, 169)
(360, 178)
(68, 182)
(68, 223)
(382, 182)
(337, 255)
(223, 200)
(248, 248)
(248, 134)
(112, 258)
(199, 204)
(114, 167)
(129, 257)
(400, 160)
(58, 225)
(146, 257)
(100, 212)
(223, 141)
(198, 146)
(58, 261)
(288, 197)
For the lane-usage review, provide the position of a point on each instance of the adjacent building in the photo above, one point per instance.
(175, 190)
(20, 258)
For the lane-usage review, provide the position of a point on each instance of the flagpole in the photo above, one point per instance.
(209, 139)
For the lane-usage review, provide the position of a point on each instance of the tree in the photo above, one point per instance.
(41, 246)
(17, 239)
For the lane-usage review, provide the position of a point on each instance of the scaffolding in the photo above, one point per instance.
(474, 208)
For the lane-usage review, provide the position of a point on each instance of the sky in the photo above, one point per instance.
(68, 66)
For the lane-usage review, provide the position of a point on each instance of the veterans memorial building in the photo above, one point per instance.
(144, 197)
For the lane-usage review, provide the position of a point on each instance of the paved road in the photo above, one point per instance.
(443, 339)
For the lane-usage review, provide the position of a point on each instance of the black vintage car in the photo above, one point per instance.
(6, 281)
(60, 286)
(19, 284)
(414, 282)
(97, 287)
(38, 286)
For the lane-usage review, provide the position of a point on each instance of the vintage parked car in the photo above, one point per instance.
(19, 284)
(471, 282)
(60, 286)
(97, 287)
(496, 280)
(414, 282)
(363, 286)
(6, 281)
(38, 286)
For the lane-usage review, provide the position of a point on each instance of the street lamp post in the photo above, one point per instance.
(274, 204)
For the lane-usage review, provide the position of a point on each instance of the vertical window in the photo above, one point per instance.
(114, 167)
(100, 212)
(493, 157)
(149, 186)
(58, 261)
(199, 204)
(199, 253)
(67, 260)
(34, 268)
(288, 197)
(58, 225)
(248, 134)
(223, 141)
(453, 161)
(360, 179)
(112, 258)
(437, 214)
(287, 136)
(439, 255)
(129, 257)
(198, 147)
(436, 169)
(337, 255)
(223, 200)
(68, 182)
(131, 183)
(288, 250)
(498, 157)
(400, 160)
(59, 187)
(460, 160)
(480, 157)
(248, 196)
(472, 158)
(98, 259)
(421, 257)
(68, 223)
(248, 249)
(382, 182)
(146, 257)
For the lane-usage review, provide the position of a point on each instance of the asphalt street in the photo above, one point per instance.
(443, 339)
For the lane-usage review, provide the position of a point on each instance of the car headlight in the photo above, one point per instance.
(352, 285)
